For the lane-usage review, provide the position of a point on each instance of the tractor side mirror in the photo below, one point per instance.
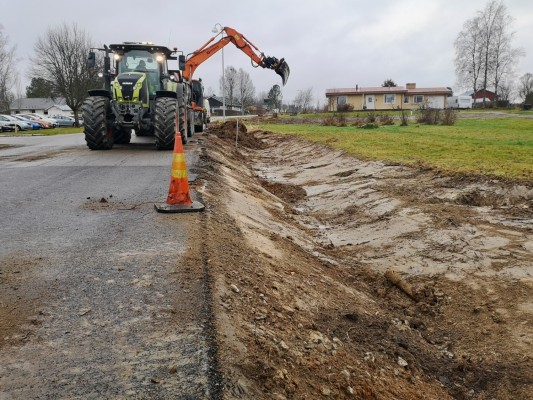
(181, 61)
(91, 59)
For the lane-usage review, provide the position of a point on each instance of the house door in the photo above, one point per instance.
(370, 102)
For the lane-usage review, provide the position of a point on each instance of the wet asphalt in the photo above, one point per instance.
(113, 313)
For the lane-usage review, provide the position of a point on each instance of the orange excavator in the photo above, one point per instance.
(193, 61)
(241, 42)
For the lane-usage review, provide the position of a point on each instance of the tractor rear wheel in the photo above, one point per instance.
(181, 122)
(97, 134)
(190, 123)
(165, 122)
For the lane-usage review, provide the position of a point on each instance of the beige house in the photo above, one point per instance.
(388, 98)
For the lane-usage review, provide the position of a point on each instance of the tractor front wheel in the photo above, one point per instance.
(165, 122)
(97, 135)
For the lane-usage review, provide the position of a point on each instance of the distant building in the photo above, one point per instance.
(216, 103)
(388, 98)
(479, 95)
(40, 105)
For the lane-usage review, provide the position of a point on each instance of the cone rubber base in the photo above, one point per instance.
(168, 208)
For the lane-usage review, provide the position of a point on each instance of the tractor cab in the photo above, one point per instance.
(141, 70)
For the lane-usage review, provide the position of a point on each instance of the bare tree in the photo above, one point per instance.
(484, 55)
(505, 93)
(525, 88)
(304, 99)
(245, 90)
(468, 56)
(8, 71)
(228, 85)
(502, 55)
(61, 59)
(209, 92)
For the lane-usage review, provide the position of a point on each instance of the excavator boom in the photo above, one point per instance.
(207, 50)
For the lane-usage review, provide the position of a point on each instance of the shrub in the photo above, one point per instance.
(449, 117)
(334, 120)
(341, 119)
(329, 121)
(404, 118)
(386, 119)
(345, 108)
(433, 116)
(371, 117)
(429, 116)
(359, 122)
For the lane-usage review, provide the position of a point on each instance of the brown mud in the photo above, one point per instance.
(338, 278)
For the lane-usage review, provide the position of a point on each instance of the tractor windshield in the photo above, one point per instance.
(142, 61)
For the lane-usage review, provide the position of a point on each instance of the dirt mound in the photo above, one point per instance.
(235, 131)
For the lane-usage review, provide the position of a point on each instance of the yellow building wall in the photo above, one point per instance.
(358, 102)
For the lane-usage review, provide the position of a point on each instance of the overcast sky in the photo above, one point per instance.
(327, 43)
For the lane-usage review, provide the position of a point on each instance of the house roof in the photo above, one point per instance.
(38, 103)
(363, 90)
(219, 101)
(384, 90)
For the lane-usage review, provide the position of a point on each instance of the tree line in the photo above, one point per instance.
(485, 58)
(59, 69)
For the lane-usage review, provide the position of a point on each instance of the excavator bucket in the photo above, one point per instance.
(283, 70)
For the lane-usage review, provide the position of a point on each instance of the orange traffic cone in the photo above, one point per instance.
(179, 198)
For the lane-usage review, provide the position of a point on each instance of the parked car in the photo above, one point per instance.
(63, 120)
(39, 117)
(34, 124)
(46, 122)
(13, 122)
(5, 126)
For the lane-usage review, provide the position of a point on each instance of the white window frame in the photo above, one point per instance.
(406, 99)
(418, 98)
(389, 96)
(342, 100)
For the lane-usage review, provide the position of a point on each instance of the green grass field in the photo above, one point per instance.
(46, 132)
(495, 147)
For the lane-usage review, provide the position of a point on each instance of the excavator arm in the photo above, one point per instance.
(232, 36)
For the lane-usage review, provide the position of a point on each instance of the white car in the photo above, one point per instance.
(8, 123)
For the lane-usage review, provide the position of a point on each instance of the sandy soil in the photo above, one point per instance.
(338, 278)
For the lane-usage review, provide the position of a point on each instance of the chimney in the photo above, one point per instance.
(410, 86)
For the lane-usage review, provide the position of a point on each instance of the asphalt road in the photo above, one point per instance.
(95, 298)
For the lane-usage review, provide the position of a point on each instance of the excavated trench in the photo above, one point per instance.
(341, 278)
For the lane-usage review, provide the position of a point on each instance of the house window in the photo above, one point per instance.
(389, 99)
(406, 99)
(419, 99)
(341, 100)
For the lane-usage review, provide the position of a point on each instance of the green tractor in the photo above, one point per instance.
(140, 93)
